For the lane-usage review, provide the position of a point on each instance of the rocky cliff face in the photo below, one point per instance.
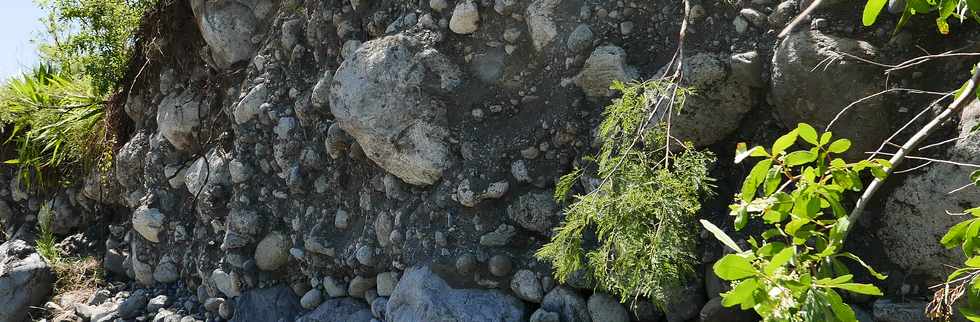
(394, 159)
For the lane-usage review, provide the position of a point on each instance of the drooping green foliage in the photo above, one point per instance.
(644, 213)
(55, 114)
(960, 10)
(55, 121)
(45, 243)
(794, 271)
(96, 36)
(964, 281)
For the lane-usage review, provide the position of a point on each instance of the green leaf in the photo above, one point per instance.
(720, 235)
(784, 142)
(771, 232)
(741, 218)
(969, 314)
(840, 228)
(741, 152)
(959, 272)
(871, 11)
(773, 216)
(773, 179)
(971, 234)
(842, 311)
(797, 158)
(794, 225)
(879, 173)
(808, 133)
(947, 8)
(756, 177)
(975, 212)
(780, 259)
(825, 138)
(836, 280)
(866, 289)
(954, 237)
(973, 262)
(906, 15)
(840, 146)
(733, 267)
(863, 264)
(975, 176)
(741, 294)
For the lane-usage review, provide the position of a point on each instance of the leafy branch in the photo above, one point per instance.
(794, 271)
(967, 93)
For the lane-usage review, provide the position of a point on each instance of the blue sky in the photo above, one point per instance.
(19, 25)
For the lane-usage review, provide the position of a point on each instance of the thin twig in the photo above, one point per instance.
(971, 184)
(849, 106)
(969, 94)
(799, 18)
(962, 164)
(890, 68)
(944, 142)
(926, 164)
(905, 126)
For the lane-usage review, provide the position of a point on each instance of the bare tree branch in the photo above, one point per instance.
(967, 96)
(792, 24)
(890, 90)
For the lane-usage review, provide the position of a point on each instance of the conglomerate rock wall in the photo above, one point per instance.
(395, 159)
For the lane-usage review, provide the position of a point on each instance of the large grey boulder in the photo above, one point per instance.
(421, 295)
(541, 22)
(381, 95)
(713, 311)
(148, 222)
(272, 252)
(604, 307)
(179, 119)
(228, 26)
(605, 65)
(534, 211)
(812, 81)
(204, 174)
(721, 99)
(129, 160)
(64, 217)
(268, 304)
(25, 280)
(885, 310)
(915, 216)
(551, 22)
(339, 310)
(569, 305)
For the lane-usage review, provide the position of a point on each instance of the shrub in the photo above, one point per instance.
(55, 114)
(944, 9)
(795, 269)
(96, 36)
(56, 122)
(644, 212)
(45, 242)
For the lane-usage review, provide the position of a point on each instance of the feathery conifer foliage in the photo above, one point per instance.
(644, 213)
